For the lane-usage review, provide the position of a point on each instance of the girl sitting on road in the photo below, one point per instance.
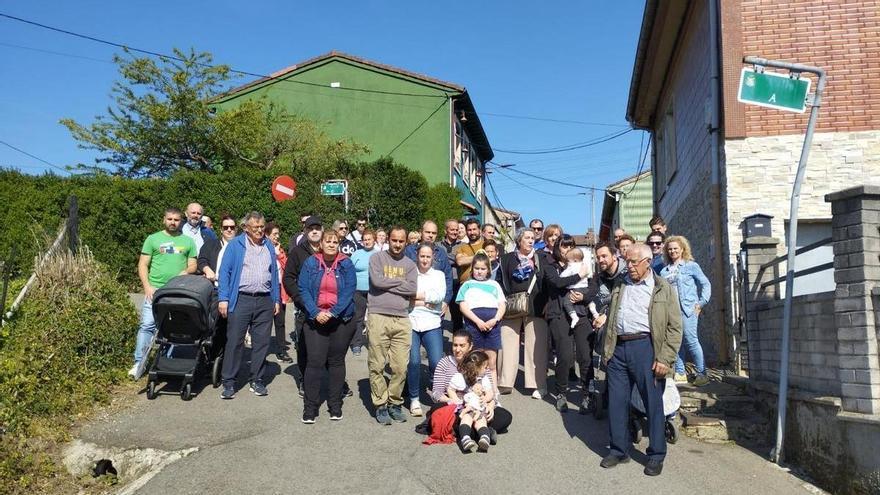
(482, 303)
(470, 389)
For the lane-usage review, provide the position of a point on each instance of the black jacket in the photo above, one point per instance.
(208, 255)
(295, 259)
(556, 288)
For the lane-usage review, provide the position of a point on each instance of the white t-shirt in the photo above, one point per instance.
(574, 268)
(461, 388)
(427, 317)
(480, 294)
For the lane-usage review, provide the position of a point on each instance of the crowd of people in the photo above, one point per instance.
(392, 292)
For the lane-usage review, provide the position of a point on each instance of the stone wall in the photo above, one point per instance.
(760, 175)
(813, 359)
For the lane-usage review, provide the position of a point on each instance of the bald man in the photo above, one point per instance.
(194, 228)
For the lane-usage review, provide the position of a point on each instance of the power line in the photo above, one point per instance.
(417, 128)
(51, 52)
(572, 147)
(641, 166)
(546, 119)
(501, 171)
(578, 186)
(23, 152)
(179, 59)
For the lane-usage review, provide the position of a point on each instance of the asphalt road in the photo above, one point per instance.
(258, 445)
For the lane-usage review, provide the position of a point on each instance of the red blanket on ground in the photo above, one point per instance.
(442, 421)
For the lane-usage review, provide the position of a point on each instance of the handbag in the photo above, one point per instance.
(518, 302)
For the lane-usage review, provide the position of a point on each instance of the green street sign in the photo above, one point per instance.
(773, 90)
(333, 188)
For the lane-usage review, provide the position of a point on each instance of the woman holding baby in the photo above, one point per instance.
(567, 271)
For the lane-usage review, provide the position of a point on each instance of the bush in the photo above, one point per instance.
(68, 344)
(442, 204)
(117, 214)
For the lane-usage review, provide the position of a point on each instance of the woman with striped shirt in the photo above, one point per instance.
(462, 343)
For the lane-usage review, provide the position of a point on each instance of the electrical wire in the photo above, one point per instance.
(236, 71)
(417, 128)
(501, 171)
(545, 119)
(578, 186)
(23, 152)
(52, 52)
(572, 147)
(641, 166)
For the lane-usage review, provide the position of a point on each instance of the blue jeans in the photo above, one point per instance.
(691, 343)
(146, 331)
(433, 342)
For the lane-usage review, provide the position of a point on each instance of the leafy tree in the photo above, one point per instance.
(161, 122)
(164, 121)
(442, 203)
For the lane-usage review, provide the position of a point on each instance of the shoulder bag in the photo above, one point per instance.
(518, 302)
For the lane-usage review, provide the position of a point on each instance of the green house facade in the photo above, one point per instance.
(425, 124)
(628, 205)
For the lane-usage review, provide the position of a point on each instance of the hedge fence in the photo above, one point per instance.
(116, 214)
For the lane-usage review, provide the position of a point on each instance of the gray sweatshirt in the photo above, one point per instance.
(393, 283)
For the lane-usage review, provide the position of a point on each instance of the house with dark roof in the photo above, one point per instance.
(421, 122)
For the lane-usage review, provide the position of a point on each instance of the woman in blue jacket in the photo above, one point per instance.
(327, 284)
(694, 291)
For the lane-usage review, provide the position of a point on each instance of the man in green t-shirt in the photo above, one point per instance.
(164, 255)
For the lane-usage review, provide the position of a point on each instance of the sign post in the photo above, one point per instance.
(336, 187)
(790, 95)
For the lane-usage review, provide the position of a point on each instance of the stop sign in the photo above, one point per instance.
(283, 188)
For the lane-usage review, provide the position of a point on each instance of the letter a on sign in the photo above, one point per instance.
(772, 99)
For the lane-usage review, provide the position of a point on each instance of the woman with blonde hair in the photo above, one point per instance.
(694, 291)
(551, 234)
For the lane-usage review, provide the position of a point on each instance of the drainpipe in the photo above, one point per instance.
(451, 139)
(715, 186)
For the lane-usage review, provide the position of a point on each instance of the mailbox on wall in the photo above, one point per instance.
(757, 225)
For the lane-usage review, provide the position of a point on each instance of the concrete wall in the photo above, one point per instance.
(832, 428)
(813, 360)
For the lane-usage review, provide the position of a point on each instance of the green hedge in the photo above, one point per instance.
(70, 341)
(117, 214)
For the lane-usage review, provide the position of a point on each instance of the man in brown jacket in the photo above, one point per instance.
(641, 341)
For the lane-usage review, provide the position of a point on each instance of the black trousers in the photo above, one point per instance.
(256, 313)
(328, 345)
(360, 310)
(563, 339)
(280, 329)
(585, 342)
(301, 353)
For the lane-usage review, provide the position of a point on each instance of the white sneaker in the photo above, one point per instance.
(538, 394)
(132, 373)
(415, 408)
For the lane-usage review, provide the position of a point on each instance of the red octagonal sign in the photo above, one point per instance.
(283, 188)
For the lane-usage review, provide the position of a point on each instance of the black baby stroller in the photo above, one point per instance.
(187, 332)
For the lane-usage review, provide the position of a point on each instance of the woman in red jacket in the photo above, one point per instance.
(273, 232)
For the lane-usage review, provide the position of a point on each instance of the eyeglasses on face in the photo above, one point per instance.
(538, 228)
(362, 224)
(342, 227)
(635, 262)
(228, 227)
(655, 243)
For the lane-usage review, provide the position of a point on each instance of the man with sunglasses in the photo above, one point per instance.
(641, 344)
(537, 226)
(358, 231)
(346, 245)
(655, 242)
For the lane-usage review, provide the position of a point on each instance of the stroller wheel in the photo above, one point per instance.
(216, 371)
(635, 430)
(186, 392)
(671, 431)
(151, 390)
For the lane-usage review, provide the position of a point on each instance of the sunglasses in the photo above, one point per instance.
(538, 228)
(228, 227)
(362, 224)
(343, 228)
(655, 243)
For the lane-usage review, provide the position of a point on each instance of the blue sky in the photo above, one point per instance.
(552, 60)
